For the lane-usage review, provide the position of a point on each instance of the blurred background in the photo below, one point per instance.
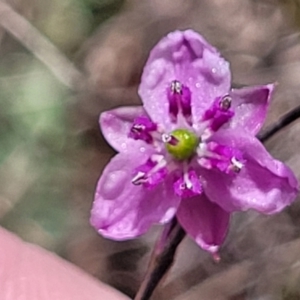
(52, 152)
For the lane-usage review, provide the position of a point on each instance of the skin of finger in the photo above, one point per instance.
(28, 272)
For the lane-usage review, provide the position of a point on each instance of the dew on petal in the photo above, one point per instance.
(155, 74)
(213, 67)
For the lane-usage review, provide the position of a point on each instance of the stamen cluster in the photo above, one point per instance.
(189, 142)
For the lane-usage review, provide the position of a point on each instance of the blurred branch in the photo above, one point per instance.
(162, 258)
(241, 275)
(40, 46)
(285, 120)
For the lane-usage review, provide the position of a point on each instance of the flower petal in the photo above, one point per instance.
(122, 210)
(116, 124)
(204, 221)
(184, 56)
(250, 106)
(264, 183)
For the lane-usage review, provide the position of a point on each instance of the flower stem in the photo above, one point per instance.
(285, 120)
(161, 259)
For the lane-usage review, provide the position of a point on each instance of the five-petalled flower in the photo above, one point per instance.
(189, 151)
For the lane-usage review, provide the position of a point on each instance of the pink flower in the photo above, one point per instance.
(190, 151)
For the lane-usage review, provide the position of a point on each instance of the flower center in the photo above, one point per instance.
(183, 144)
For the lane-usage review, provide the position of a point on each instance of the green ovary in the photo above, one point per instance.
(186, 145)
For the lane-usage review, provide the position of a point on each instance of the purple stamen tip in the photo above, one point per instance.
(169, 139)
(225, 103)
(151, 173)
(185, 102)
(227, 159)
(179, 96)
(188, 185)
(219, 113)
(139, 178)
(142, 128)
(236, 164)
(138, 128)
(173, 93)
(176, 87)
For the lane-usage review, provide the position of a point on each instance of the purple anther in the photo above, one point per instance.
(185, 103)
(236, 165)
(169, 139)
(151, 173)
(176, 87)
(142, 128)
(227, 159)
(225, 103)
(139, 178)
(219, 113)
(174, 94)
(188, 185)
(179, 96)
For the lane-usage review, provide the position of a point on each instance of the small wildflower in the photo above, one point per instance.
(190, 151)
